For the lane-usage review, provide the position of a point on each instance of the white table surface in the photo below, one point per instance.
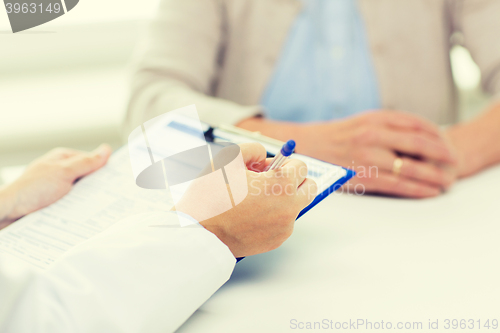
(373, 258)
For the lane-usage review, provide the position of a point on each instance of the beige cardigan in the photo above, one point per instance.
(220, 54)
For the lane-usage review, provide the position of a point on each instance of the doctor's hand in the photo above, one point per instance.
(265, 218)
(47, 180)
(371, 143)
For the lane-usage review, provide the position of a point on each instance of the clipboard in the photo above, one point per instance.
(329, 177)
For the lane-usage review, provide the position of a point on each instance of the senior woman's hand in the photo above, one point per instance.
(393, 153)
(47, 180)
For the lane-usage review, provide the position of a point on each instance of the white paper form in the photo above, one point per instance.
(102, 198)
(95, 203)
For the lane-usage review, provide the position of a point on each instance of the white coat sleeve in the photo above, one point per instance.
(144, 274)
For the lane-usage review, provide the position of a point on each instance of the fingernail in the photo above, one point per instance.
(102, 150)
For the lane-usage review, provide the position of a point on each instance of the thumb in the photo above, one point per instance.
(254, 155)
(86, 163)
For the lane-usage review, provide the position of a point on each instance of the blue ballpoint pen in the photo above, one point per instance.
(281, 157)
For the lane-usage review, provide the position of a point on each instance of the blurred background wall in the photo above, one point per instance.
(65, 83)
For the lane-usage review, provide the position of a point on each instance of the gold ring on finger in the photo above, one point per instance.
(397, 166)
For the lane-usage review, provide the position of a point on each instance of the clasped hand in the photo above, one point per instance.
(370, 143)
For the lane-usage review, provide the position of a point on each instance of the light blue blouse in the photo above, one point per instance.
(325, 71)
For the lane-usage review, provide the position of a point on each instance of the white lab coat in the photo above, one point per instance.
(144, 274)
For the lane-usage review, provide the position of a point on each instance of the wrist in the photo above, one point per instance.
(472, 143)
(222, 235)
